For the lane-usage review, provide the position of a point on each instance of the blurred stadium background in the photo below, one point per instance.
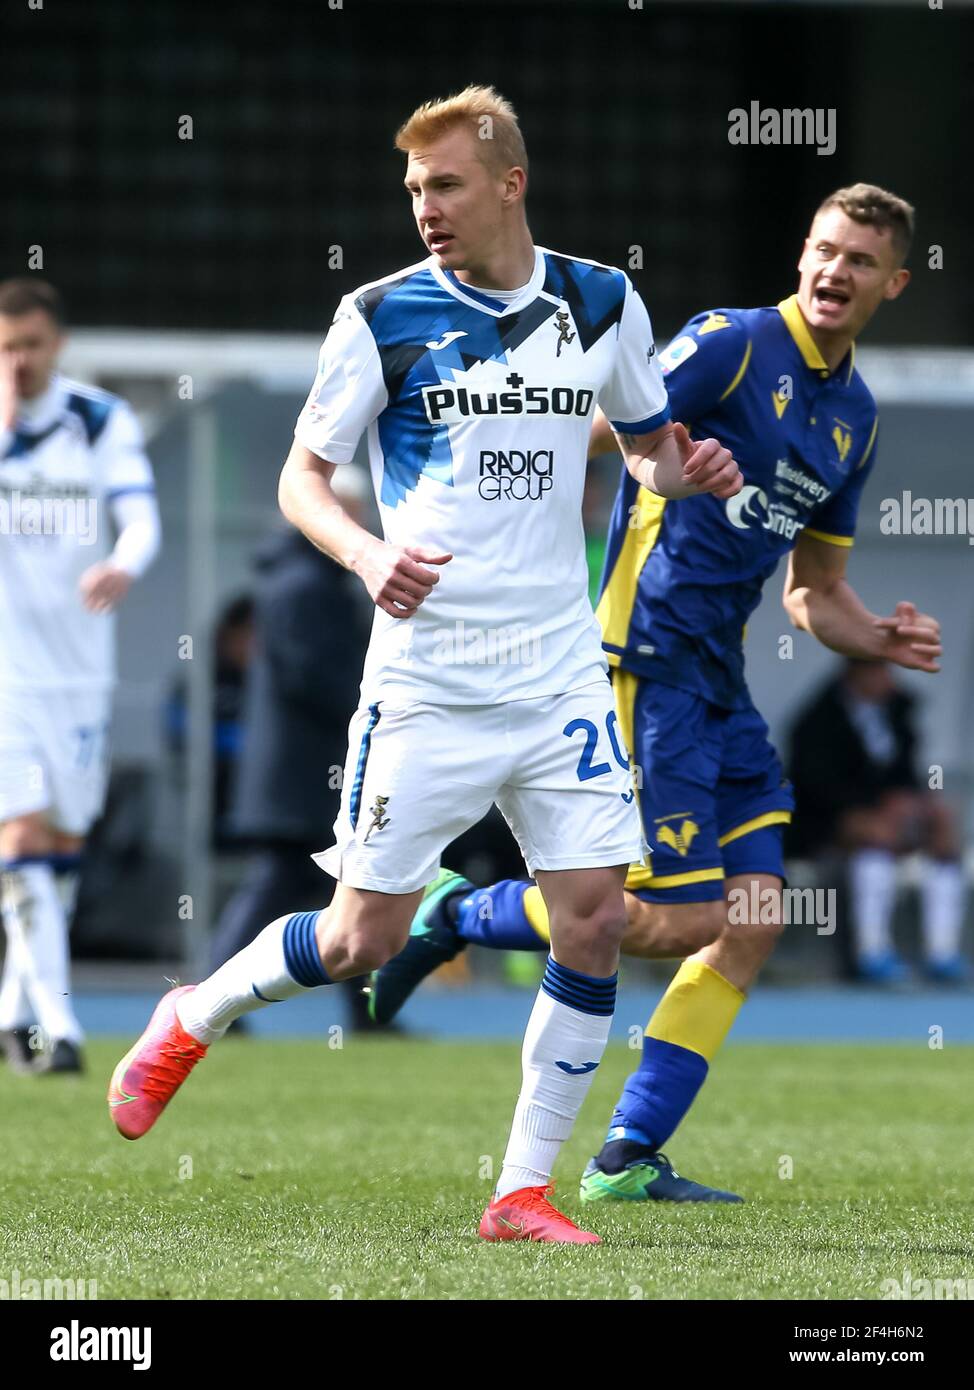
(201, 274)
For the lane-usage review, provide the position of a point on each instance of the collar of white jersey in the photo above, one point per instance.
(482, 299)
(44, 409)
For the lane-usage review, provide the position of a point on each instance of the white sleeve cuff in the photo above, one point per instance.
(136, 515)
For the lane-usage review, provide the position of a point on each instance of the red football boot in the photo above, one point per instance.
(528, 1215)
(150, 1073)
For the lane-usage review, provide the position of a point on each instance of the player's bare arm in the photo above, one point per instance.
(602, 440)
(8, 390)
(671, 464)
(105, 584)
(396, 580)
(819, 599)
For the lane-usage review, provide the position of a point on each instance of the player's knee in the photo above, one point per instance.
(692, 926)
(600, 928)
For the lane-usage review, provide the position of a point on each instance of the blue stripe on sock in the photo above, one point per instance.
(59, 863)
(301, 950)
(582, 1005)
(596, 997)
(575, 981)
(264, 996)
(586, 993)
(66, 863)
(597, 1011)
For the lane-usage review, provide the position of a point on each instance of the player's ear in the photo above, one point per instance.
(897, 283)
(515, 184)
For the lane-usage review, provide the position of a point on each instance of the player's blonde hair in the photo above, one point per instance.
(873, 206)
(488, 116)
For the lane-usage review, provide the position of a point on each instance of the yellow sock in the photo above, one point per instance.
(697, 1011)
(536, 912)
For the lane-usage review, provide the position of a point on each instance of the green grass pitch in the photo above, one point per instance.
(290, 1170)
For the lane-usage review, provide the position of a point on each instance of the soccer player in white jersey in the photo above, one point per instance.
(475, 374)
(72, 470)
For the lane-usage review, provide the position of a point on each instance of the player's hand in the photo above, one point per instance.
(912, 639)
(8, 390)
(103, 586)
(395, 577)
(707, 465)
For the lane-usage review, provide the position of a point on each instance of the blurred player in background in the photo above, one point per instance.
(475, 373)
(72, 464)
(859, 793)
(778, 386)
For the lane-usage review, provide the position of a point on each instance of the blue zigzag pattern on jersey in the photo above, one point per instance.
(92, 413)
(22, 441)
(595, 294)
(404, 316)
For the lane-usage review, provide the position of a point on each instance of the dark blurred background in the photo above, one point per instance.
(624, 111)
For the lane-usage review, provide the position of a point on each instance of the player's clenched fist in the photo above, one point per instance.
(912, 638)
(395, 578)
(707, 465)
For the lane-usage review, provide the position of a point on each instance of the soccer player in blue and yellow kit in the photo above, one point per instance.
(778, 386)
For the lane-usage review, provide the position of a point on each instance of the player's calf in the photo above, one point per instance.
(661, 931)
(361, 930)
(753, 925)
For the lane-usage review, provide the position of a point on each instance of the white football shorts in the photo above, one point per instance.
(417, 776)
(54, 755)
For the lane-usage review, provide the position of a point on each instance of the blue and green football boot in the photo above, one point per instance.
(433, 940)
(630, 1172)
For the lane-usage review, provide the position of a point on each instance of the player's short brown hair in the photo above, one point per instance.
(876, 207)
(26, 293)
(488, 116)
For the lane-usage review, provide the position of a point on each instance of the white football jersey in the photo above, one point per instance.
(478, 414)
(72, 451)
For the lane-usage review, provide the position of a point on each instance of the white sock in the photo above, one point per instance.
(66, 881)
(34, 916)
(872, 875)
(15, 1010)
(280, 962)
(942, 895)
(560, 1029)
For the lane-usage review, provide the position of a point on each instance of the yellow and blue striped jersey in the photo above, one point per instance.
(682, 577)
